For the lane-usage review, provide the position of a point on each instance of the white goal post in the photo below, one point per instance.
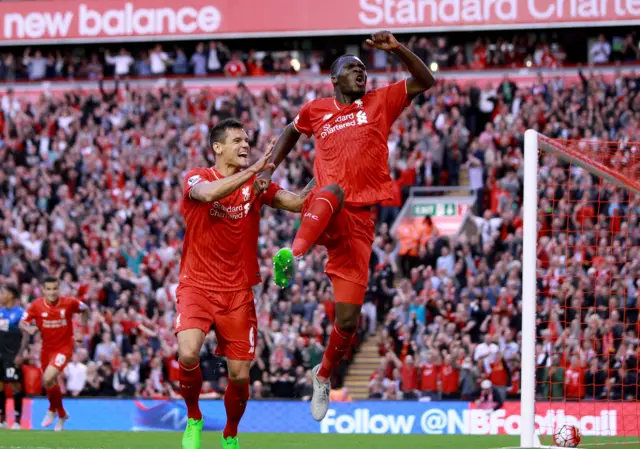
(528, 436)
(534, 143)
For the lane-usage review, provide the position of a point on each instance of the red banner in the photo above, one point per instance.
(119, 20)
(591, 417)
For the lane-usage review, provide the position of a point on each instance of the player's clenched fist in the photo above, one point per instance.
(383, 40)
(262, 183)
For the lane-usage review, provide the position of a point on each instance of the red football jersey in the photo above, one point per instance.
(351, 142)
(409, 378)
(220, 248)
(54, 321)
(450, 378)
(498, 376)
(574, 380)
(429, 377)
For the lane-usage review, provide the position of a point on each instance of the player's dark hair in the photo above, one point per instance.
(15, 293)
(218, 132)
(336, 64)
(50, 280)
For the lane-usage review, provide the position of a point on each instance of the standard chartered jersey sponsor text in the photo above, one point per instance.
(435, 421)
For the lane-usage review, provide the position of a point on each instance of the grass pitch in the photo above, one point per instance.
(171, 440)
(29, 439)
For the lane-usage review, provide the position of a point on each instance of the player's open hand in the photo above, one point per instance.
(383, 40)
(263, 163)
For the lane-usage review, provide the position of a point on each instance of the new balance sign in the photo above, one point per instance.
(120, 20)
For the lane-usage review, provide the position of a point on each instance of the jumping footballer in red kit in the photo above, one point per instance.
(53, 317)
(219, 267)
(352, 175)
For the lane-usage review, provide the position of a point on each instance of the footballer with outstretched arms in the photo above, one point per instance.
(352, 175)
(219, 267)
(13, 343)
(52, 315)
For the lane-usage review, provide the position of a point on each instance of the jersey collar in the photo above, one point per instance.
(49, 306)
(340, 106)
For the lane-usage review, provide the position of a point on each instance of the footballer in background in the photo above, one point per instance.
(352, 174)
(219, 267)
(52, 315)
(13, 343)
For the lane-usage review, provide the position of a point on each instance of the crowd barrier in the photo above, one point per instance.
(363, 417)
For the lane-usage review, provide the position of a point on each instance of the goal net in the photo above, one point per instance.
(580, 281)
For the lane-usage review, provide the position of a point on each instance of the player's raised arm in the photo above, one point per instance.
(284, 145)
(421, 77)
(208, 191)
(290, 201)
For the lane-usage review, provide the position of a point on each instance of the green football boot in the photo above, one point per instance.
(192, 437)
(284, 268)
(230, 443)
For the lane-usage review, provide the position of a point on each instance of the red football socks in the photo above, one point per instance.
(190, 386)
(339, 342)
(55, 401)
(235, 402)
(315, 221)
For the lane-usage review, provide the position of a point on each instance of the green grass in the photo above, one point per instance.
(29, 439)
(170, 440)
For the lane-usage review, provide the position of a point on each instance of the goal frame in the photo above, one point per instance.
(528, 436)
(532, 148)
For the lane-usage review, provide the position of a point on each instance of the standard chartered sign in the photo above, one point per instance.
(439, 209)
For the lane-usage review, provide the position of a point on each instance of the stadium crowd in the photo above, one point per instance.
(90, 192)
(216, 58)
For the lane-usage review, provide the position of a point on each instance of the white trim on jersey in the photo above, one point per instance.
(294, 125)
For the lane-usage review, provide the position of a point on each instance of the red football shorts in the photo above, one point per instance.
(57, 359)
(348, 239)
(232, 313)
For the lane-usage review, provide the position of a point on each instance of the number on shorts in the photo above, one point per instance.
(60, 359)
(252, 341)
(11, 373)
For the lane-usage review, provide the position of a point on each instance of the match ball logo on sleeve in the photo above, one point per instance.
(192, 181)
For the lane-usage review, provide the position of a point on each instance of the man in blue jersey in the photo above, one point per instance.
(13, 342)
